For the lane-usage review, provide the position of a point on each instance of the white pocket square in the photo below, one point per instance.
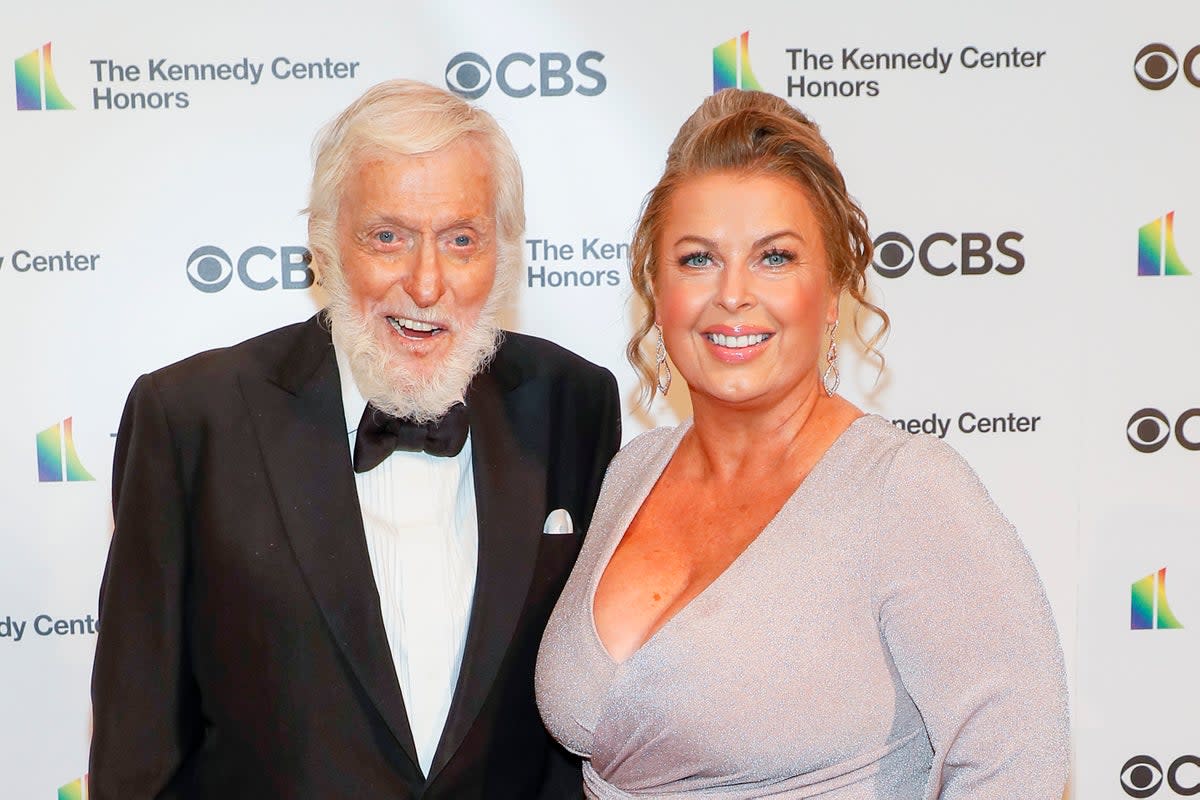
(559, 521)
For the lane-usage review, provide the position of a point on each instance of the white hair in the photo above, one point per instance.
(404, 117)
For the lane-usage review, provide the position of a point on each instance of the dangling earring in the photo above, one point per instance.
(831, 378)
(662, 368)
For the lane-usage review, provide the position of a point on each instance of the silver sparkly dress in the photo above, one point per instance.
(885, 637)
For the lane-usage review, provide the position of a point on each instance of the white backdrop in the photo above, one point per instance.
(1041, 168)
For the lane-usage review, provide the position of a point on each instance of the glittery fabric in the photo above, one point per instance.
(885, 636)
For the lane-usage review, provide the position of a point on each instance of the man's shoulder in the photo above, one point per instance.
(261, 354)
(523, 357)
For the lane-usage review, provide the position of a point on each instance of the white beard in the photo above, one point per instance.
(391, 385)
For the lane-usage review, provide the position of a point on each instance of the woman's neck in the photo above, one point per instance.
(781, 438)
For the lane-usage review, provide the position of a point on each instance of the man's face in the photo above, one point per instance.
(416, 237)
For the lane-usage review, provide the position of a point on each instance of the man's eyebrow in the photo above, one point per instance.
(479, 221)
(390, 219)
(465, 222)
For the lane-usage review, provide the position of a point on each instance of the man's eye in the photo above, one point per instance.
(387, 237)
(462, 240)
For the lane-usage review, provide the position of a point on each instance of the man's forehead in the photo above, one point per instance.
(468, 149)
(446, 184)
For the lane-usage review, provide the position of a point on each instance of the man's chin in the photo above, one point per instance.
(411, 372)
(416, 388)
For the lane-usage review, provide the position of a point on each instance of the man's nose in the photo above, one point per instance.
(425, 282)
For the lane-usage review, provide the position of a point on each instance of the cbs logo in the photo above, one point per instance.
(210, 269)
(1149, 429)
(469, 75)
(1156, 66)
(1142, 776)
(943, 254)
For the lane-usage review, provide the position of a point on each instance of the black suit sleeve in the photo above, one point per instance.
(144, 700)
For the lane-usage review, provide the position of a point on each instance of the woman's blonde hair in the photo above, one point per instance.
(753, 132)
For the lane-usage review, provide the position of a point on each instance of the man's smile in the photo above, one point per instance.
(415, 329)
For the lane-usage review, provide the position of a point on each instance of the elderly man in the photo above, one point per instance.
(336, 544)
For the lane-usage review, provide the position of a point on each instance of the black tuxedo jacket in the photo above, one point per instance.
(242, 651)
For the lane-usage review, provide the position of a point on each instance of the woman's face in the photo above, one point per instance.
(743, 292)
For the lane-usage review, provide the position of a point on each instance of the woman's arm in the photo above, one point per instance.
(964, 615)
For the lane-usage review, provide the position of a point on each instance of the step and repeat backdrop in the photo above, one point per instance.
(1029, 169)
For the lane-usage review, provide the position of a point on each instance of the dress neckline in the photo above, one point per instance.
(652, 473)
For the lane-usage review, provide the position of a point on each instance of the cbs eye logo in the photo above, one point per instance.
(1148, 430)
(210, 269)
(469, 75)
(1156, 66)
(944, 254)
(1142, 776)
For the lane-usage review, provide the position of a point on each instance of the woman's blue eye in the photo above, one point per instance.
(697, 260)
(775, 259)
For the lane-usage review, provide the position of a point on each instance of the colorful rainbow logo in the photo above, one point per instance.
(1148, 604)
(75, 790)
(37, 88)
(56, 451)
(731, 65)
(1156, 248)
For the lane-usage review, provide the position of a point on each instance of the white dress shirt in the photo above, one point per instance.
(423, 539)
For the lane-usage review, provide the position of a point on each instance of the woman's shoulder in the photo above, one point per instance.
(647, 447)
(909, 457)
(928, 492)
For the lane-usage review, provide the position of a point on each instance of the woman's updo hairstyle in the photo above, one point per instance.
(755, 133)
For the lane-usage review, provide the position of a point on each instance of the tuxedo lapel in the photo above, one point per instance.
(509, 481)
(300, 427)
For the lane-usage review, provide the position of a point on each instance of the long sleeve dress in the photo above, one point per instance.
(885, 636)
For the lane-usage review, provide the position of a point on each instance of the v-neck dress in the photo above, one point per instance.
(884, 636)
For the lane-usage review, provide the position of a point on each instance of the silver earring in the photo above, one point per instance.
(662, 368)
(831, 378)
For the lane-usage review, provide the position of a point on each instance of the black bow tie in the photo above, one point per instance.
(380, 434)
